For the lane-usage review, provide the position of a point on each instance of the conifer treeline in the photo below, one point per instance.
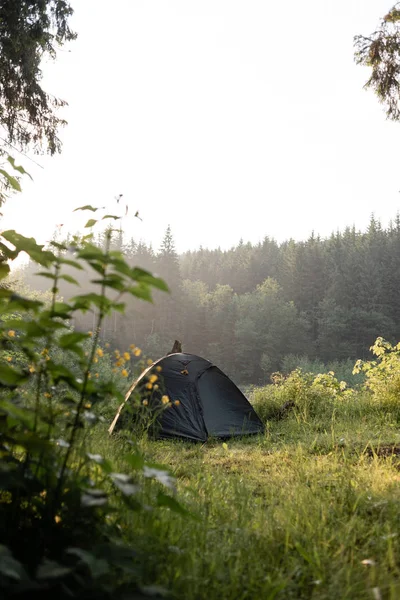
(249, 307)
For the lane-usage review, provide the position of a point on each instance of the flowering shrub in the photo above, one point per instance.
(306, 393)
(58, 527)
(383, 373)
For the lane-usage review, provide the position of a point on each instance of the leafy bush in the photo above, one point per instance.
(307, 394)
(58, 500)
(343, 369)
(382, 375)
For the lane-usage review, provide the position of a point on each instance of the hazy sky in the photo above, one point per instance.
(227, 119)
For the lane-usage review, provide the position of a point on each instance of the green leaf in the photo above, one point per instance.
(146, 277)
(13, 182)
(62, 309)
(93, 497)
(58, 246)
(104, 464)
(4, 270)
(91, 252)
(19, 302)
(61, 373)
(97, 567)
(50, 569)
(70, 279)
(171, 503)
(154, 591)
(136, 461)
(86, 207)
(124, 484)
(71, 263)
(11, 377)
(29, 245)
(12, 254)
(160, 474)
(10, 567)
(68, 401)
(91, 223)
(119, 306)
(31, 328)
(71, 339)
(116, 282)
(141, 291)
(46, 274)
(111, 217)
(31, 441)
(21, 415)
(20, 169)
(85, 302)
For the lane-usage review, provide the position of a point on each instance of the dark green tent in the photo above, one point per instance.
(209, 402)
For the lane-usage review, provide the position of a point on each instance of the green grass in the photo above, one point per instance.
(290, 514)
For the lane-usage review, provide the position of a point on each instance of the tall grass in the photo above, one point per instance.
(308, 510)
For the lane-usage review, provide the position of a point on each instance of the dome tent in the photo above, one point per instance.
(210, 404)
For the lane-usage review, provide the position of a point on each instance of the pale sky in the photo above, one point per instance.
(227, 119)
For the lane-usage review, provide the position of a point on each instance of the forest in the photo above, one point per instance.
(258, 309)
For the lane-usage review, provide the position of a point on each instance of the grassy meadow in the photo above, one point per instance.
(308, 510)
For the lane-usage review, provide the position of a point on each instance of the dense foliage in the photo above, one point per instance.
(381, 51)
(60, 532)
(29, 31)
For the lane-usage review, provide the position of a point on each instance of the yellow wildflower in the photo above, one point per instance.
(117, 353)
(31, 369)
(88, 405)
(164, 399)
(47, 395)
(159, 368)
(11, 333)
(132, 347)
(90, 333)
(127, 356)
(145, 402)
(57, 519)
(124, 373)
(95, 360)
(153, 378)
(155, 387)
(89, 376)
(107, 345)
(100, 352)
(149, 386)
(149, 361)
(97, 375)
(137, 352)
(43, 494)
(177, 402)
(9, 358)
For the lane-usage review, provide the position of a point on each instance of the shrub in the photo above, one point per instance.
(60, 535)
(308, 394)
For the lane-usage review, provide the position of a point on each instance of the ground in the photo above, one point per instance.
(308, 510)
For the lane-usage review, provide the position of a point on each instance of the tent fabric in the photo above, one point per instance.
(210, 404)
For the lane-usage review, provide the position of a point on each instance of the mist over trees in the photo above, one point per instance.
(254, 308)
